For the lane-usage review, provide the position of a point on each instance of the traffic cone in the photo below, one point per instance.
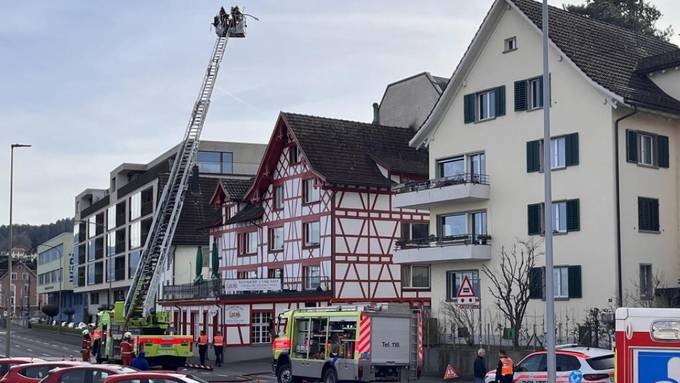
(450, 373)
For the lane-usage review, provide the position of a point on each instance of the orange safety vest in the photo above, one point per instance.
(218, 341)
(126, 348)
(507, 366)
(203, 340)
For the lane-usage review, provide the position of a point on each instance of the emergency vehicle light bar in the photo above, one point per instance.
(666, 330)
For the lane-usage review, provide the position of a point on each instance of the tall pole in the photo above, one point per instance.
(547, 211)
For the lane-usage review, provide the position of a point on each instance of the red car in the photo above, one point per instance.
(154, 377)
(34, 372)
(86, 373)
(7, 363)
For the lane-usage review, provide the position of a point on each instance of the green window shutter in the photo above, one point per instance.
(575, 289)
(573, 216)
(534, 219)
(631, 146)
(536, 283)
(571, 149)
(654, 213)
(643, 221)
(662, 151)
(648, 214)
(469, 107)
(540, 90)
(520, 95)
(500, 101)
(533, 156)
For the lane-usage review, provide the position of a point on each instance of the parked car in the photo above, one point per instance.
(595, 364)
(34, 372)
(86, 373)
(154, 377)
(7, 363)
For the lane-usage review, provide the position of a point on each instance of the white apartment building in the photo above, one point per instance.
(615, 105)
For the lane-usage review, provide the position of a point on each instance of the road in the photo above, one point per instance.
(40, 344)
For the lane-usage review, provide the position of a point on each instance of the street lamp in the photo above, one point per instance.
(11, 245)
(61, 278)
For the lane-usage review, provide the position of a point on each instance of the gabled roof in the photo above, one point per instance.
(247, 214)
(659, 62)
(607, 55)
(232, 189)
(197, 214)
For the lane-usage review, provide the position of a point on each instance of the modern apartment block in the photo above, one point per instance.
(55, 266)
(615, 104)
(111, 224)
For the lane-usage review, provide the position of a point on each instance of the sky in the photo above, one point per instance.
(94, 84)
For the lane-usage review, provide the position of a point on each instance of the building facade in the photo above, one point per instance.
(316, 226)
(613, 155)
(23, 299)
(111, 224)
(55, 266)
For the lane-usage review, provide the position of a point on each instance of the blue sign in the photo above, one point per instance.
(575, 377)
(658, 366)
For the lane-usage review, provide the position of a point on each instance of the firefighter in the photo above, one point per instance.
(506, 368)
(87, 346)
(202, 347)
(126, 347)
(218, 346)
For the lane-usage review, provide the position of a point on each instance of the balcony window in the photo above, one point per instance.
(310, 193)
(415, 276)
(478, 223)
(276, 238)
(312, 277)
(452, 167)
(311, 233)
(477, 166)
(215, 162)
(414, 231)
(278, 197)
(453, 225)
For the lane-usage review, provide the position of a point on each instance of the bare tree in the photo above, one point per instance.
(462, 317)
(645, 296)
(510, 282)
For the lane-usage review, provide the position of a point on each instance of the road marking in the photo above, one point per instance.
(29, 350)
(43, 354)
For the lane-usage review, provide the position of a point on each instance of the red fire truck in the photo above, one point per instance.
(647, 345)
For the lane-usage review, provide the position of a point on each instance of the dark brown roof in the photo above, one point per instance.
(236, 188)
(659, 62)
(607, 54)
(247, 214)
(345, 152)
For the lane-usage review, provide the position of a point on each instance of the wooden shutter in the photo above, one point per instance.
(662, 151)
(534, 219)
(631, 146)
(654, 213)
(500, 100)
(571, 149)
(450, 277)
(648, 214)
(575, 290)
(533, 156)
(469, 107)
(536, 283)
(573, 216)
(520, 95)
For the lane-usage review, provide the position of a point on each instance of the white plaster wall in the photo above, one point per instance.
(669, 81)
(407, 103)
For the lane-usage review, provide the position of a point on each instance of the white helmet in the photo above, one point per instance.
(127, 335)
(86, 332)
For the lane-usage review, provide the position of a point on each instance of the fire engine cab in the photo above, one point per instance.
(647, 345)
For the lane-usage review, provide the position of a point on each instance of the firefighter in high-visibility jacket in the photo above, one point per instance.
(218, 346)
(87, 346)
(202, 347)
(506, 368)
(126, 347)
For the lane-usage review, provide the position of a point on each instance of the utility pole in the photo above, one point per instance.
(547, 210)
(11, 246)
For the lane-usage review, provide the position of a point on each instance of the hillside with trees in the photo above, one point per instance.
(30, 236)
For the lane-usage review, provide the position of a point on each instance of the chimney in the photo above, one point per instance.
(376, 113)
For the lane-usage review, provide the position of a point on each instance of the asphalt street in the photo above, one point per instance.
(40, 344)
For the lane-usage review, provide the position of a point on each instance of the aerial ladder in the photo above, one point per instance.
(137, 314)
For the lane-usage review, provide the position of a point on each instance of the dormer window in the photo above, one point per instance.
(510, 44)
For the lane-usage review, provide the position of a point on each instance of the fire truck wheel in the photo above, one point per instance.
(330, 376)
(284, 374)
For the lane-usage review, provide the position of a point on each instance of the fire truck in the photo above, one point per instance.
(647, 345)
(348, 343)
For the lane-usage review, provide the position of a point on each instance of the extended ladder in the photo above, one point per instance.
(141, 296)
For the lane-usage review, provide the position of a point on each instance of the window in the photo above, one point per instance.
(411, 231)
(294, 154)
(135, 206)
(561, 282)
(99, 248)
(477, 166)
(261, 327)
(24, 276)
(250, 274)
(278, 197)
(310, 192)
(647, 149)
(249, 243)
(275, 273)
(565, 216)
(81, 233)
(144, 230)
(81, 276)
(509, 44)
(94, 298)
(478, 224)
(36, 372)
(484, 105)
(646, 282)
(563, 153)
(119, 268)
(536, 93)
(311, 233)
(529, 94)
(120, 214)
(110, 244)
(133, 262)
(452, 167)
(566, 282)
(455, 278)
(415, 276)
(111, 218)
(453, 225)
(77, 376)
(312, 277)
(648, 214)
(276, 238)
(209, 162)
(147, 201)
(534, 363)
(135, 235)
(14, 275)
(557, 153)
(120, 241)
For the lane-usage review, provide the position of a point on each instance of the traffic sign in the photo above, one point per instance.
(450, 373)
(466, 294)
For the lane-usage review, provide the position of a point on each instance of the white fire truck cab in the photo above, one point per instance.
(647, 345)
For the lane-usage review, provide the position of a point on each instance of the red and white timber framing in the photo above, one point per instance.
(358, 228)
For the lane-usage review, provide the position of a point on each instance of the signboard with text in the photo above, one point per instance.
(236, 314)
(253, 284)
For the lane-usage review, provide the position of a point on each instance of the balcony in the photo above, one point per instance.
(248, 288)
(467, 247)
(424, 194)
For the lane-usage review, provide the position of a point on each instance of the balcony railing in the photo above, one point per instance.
(464, 178)
(216, 288)
(450, 240)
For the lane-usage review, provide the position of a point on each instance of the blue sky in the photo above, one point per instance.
(93, 84)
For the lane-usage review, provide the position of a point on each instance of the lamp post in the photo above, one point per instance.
(61, 278)
(11, 245)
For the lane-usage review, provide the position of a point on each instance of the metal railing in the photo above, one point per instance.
(459, 179)
(216, 288)
(450, 240)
